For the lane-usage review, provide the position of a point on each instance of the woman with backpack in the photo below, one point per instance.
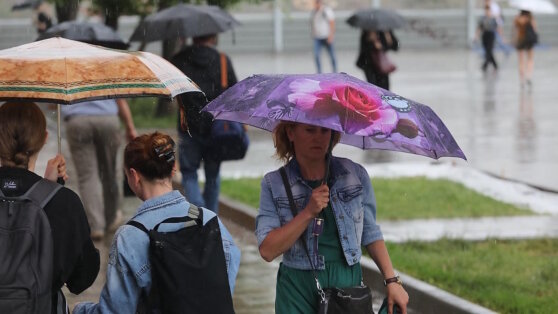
(137, 278)
(525, 35)
(68, 257)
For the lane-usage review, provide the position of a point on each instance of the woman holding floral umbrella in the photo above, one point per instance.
(345, 203)
(308, 115)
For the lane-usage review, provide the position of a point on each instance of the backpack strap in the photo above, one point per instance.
(194, 217)
(42, 192)
(224, 73)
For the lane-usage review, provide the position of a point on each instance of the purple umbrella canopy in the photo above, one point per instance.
(368, 117)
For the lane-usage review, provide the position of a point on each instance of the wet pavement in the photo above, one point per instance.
(503, 130)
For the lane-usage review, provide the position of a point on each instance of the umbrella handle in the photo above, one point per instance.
(328, 159)
(59, 138)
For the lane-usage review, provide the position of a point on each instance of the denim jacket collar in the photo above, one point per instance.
(160, 201)
(336, 170)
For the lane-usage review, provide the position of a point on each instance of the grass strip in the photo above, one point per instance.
(505, 276)
(404, 198)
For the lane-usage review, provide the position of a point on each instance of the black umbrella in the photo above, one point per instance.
(377, 20)
(184, 20)
(26, 4)
(91, 33)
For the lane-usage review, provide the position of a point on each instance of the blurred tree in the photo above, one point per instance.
(66, 10)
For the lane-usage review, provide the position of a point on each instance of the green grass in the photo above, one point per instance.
(143, 112)
(418, 197)
(404, 198)
(505, 276)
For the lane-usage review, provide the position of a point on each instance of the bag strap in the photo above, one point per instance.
(42, 192)
(224, 73)
(194, 217)
(292, 206)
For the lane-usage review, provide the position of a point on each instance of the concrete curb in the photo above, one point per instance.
(425, 298)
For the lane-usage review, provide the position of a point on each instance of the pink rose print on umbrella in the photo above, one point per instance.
(358, 111)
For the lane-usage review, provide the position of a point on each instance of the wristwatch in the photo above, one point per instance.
(395, 279)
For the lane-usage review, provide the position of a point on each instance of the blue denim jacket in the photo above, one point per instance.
(351, 198)
(128, 271)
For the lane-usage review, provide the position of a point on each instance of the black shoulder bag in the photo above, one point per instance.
(354, 300)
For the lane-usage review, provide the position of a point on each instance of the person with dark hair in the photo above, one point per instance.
(344, 203)
(213, 72)
(487, 30)
(75, 259)
(44, 22)
(149, 164)
(525, 38)
(373, 51)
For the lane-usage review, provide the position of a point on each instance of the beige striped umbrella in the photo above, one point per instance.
(64, 71)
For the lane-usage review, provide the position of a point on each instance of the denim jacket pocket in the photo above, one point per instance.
(351, 202)
(285, 215)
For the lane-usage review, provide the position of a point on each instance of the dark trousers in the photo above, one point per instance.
(488, 45)
(378, 79)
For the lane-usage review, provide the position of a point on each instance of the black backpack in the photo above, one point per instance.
(26, 250)
(188, 268)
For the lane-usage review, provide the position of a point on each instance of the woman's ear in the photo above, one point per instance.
(289, 130)
(135, 175)
(46, 137)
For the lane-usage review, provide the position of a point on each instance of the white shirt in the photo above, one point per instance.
(496, 12)
(320, 22)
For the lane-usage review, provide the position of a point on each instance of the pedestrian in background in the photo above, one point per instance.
(149, 164)
(93, 134)
(497, 13)
(322, 21)
(373, 59)
(349, 221)
(525, 38)
(75, 260)
(487, 29)
(204, 64)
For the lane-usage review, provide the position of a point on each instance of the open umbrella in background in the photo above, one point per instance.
(91, 33)
(534, 6)
(183, 21)
(366, 116)
(26, 4)
(64, 71)
(376, 20)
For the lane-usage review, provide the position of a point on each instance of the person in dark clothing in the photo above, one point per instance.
(75, 258)
(488, 26)
(371, 43)
(44, 22)
(202, 63)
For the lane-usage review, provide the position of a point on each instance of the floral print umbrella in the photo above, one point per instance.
(367, 116)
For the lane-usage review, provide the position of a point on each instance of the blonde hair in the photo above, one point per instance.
(23, 133)
(284, 149)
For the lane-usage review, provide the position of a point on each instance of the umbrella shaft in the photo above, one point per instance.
(59, 137)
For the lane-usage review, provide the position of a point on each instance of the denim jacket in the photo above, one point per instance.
(128, 271)
(351, 198)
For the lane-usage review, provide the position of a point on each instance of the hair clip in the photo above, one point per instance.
(166, 152)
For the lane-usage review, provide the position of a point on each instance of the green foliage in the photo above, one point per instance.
(143, 113)
(506, 276)
(404, 198)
